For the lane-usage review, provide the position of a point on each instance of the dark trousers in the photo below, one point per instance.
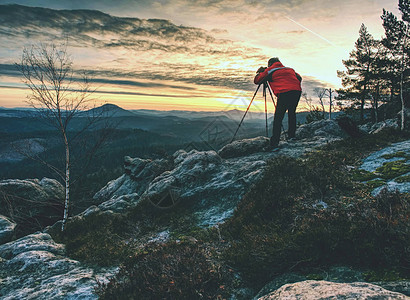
(286, 102)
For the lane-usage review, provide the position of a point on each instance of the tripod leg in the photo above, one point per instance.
(271, 95)
(245, 112)
(266, 109)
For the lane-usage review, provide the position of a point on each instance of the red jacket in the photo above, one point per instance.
(283, 79)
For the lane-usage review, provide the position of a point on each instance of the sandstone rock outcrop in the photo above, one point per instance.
(313, 290)
(320, 129)
(31, 203)
(244, 147)
(34, 267)
(124, 192)
(212, 183)
(374, 128)
(6, 229)
(398, 152)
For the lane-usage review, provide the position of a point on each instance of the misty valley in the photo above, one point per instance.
(137, 133)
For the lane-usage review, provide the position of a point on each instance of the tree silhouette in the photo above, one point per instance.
(360, 66)
(397, 41)
(57, 95)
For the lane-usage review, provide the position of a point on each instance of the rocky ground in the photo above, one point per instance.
(391, 167)
(31, 204)
(312, 289)
(35, 267)
(207, 177)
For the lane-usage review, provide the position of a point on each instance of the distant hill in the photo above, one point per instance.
(15, 112)
(176, 123)
(234, 114)
(109, 110)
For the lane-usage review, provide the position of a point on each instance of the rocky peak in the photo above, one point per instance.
(212, 182)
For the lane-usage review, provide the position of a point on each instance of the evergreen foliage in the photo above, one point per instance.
(377, 71)
(397, 40)
(314, 115)
(362, 71)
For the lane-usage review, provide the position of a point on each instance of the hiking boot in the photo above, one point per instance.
(273, 144)
(274, 147)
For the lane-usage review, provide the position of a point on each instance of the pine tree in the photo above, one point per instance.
(361, 67)
(397, 40)
(380, 83)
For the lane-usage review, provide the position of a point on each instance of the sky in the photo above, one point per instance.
(182, 54)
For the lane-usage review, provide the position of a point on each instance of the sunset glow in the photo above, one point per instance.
(186, 55)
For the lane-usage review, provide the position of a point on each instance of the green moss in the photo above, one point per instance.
(362, 175)
(372, 184)
(314, 277)
(384, 275)
(393, 169)
(397, 154)
(403, 179)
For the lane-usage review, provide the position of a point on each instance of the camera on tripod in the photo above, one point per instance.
(261, 69)
(265, 87)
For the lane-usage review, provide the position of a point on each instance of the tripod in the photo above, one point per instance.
(265, 87)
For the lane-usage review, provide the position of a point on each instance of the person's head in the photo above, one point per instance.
(272, 61)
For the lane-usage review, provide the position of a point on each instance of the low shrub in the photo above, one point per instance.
(309, 213)
(170, 271)
(372, 184)
(97, 239)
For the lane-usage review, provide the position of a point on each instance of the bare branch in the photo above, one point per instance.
(58, 97)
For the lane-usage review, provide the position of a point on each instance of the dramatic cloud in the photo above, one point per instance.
(154, 47)
(137, 48)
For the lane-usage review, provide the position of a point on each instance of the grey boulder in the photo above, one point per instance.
(6, 229)
(311, 289)
(35, 267)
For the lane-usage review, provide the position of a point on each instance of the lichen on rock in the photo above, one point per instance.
(312, 289)
(6, 229)
(31, 203)
(35, 267)
(391, 164)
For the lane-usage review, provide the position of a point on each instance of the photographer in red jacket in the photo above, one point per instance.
(286, 85)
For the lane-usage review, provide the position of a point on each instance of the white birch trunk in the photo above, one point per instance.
(67, 182)
(330, 104)
(403, 115)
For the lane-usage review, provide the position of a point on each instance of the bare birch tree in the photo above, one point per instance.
(321, 93)
(57, 95)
